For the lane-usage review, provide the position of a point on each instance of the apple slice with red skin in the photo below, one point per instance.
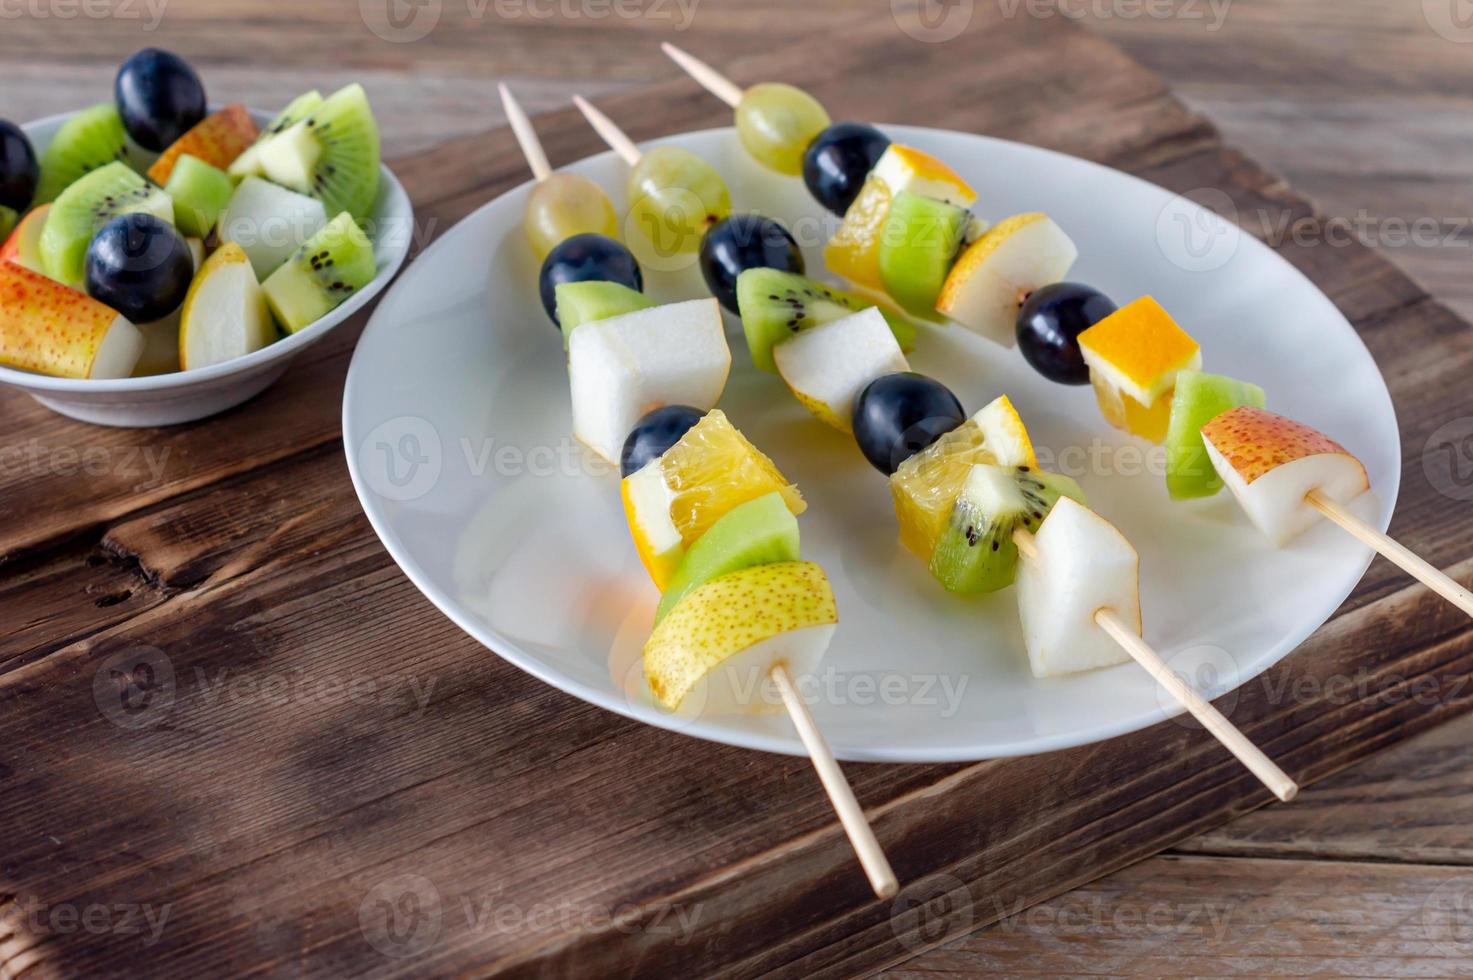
(1271, 463)
(52, 329)
(24, 244)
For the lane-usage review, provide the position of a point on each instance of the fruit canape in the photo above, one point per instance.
(1007, 283)
(712, 518)
(132, 202)
(851, 373)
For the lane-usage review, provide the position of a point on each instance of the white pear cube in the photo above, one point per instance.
(827, 366)
(269, 222)
(1271, 463)
(224, 315)
(1083, 564)
(626, 366)
(995, 273)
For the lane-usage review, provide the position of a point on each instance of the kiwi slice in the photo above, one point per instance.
(332, 154)
(9, 218)
(759, 532)
(200, 192)
(333, 265)
(89, 140)
(248, 164)
(584, 302)
(976, 552)
(918, 246)
(775, 305)
(1198, 399)
(87, 205)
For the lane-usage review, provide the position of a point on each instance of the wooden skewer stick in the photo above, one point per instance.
(1211, 719)
(851, 817)
(526, 136)
(609, 131)
(1394, 551)
(711, 80)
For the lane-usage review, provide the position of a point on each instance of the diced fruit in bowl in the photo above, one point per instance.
(200, 193)
(88, 141)
(248, 164)
(1083, 565)
(225, 314)
(854, 251)
(52, 329)
(85, 207)
(1271, 464)
(139, 266)
(271, 223)
(24, 244)
(622, 367)
(827, 366)
(917, 248)
(584, 302)
(712, 653)
(1134, 355)
(1199, 398)
(762, 531)
(20, 173)
(333, 265)
(216, 141)
(332, 154)
(987, 286)
(976, 552)
(775, 305)
(159, 97)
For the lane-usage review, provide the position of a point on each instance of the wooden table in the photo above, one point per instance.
(330, 744)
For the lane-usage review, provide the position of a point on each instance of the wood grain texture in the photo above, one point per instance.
(327, 777)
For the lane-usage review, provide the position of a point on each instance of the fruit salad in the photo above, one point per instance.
(153, 236)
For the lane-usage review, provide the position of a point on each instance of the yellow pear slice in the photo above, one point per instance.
(224, 314)
(714, 652)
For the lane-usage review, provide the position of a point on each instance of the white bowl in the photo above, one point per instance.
(184, 396)
(456, 428)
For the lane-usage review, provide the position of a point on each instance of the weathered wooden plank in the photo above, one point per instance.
(1198, 916)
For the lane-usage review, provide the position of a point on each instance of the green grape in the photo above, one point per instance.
(674, 196)
(777, 122)
(565, 205)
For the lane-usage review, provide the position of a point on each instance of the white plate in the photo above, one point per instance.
(456, 422)
(184, 396)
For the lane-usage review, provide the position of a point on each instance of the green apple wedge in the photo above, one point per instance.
(713, 654)
(224, 314)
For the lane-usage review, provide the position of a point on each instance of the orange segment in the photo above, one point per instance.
(926, 486)
(1139, 348)
(854, 251)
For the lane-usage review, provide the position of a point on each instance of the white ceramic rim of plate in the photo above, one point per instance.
(397, 207)
(506, 649)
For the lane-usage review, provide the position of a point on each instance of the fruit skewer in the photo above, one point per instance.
(648, 356)
(1055, 314)
(852, 375)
